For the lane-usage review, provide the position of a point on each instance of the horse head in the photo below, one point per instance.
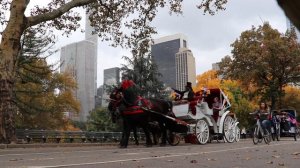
(115, 99)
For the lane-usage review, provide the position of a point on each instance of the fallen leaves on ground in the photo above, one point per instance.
(296, 153)
(193, 161)
(270, 162)
(281, 164)
(247, 158)
(276, 156)
(209, 159)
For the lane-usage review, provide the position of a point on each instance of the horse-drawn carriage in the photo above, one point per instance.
(192, 118)
(202, 125)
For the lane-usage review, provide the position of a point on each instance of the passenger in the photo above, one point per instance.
(217, 106)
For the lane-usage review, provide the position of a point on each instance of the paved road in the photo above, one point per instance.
(285, 153)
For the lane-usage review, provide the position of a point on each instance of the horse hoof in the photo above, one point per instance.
(162, 144)
(137, 144)
(148, 145)
(122, 147)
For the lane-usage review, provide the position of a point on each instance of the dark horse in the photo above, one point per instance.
(140, 114)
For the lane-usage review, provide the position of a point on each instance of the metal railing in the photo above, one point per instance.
(52, 136)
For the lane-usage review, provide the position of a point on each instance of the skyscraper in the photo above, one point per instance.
(111, 77)
(290, 26)
(185, 68)
(163, 51)
(80, 59)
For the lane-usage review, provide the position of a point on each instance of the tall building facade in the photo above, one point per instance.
(163, 52)
(216, 66)
(290, 26)
(185, 68)
(111, 77)
(80, 59)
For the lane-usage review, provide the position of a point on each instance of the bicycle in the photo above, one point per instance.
(260, 134)
(275, 128)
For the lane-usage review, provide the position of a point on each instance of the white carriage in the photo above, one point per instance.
(202, 126)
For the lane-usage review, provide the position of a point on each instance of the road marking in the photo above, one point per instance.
(87, 151)
(134, 153)
(165, 156)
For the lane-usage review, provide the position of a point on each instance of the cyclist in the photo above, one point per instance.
(264, 114)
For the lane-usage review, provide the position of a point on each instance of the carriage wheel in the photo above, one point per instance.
(229, 129)
(173, 138)
(237, 134)
(202, 131)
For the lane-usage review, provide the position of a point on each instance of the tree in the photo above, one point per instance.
(291, 98)
(41, 95)
(265, 58)
(208, 79)
(99, 120)
(142, 69)
(109, 18)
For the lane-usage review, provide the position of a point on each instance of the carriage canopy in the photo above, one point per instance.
(211, 93)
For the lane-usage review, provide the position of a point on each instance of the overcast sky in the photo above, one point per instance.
(209, 37)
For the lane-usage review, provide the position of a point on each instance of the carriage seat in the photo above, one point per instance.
(204, 108)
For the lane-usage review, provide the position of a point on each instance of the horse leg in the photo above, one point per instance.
(135, 136)
(155, 131)
(126, 133)
(164, 133)
(155, 137)
(148, 138)
(144, 123)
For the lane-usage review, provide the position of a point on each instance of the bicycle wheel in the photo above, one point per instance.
(295, 134)
(267, 137)
(255, 135)
(278, 133)
(273, 133)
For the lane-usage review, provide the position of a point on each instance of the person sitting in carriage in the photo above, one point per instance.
(216, 106)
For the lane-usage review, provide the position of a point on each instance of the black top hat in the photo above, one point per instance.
(188, 84)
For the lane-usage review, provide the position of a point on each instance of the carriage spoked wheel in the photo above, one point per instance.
(172, 138)
(229, 129)
(202, 131)
(237, 134)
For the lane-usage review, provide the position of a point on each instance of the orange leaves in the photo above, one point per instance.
(208, 79)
